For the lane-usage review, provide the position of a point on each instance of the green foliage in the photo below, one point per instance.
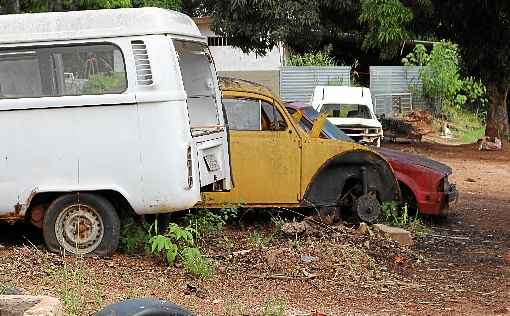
(310, 59)
(399, 217)
(419, 57)
(273, 307)
(105, 83)
(395, 217)
(133, 236)
(104, 4)
(441, 78)
(386, 21)
(205, 221)
(66, 5)
(195, 263)
(167, 4)
(257, 240)
(177, 243)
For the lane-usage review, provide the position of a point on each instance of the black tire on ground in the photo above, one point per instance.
(83, 223)
(143, 307)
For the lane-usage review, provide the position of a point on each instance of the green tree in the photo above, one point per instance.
(481, 28)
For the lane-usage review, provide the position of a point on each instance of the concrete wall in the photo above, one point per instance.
(268, 78)
(228, 58)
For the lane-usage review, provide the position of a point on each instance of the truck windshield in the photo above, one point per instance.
(346, 111)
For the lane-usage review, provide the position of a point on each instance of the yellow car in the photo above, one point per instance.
(275, 163)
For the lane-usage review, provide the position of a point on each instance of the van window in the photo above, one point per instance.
(198, 79)
(61, 70)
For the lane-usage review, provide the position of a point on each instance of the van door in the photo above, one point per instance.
(205, 114)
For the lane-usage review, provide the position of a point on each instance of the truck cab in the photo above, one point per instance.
(351, 110)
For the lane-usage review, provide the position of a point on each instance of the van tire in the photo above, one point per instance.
(90, 212)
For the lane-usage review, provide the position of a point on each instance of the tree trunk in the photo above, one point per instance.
(497, 115)
(12, 6)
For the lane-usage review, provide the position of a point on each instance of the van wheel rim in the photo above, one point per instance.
(79, 229)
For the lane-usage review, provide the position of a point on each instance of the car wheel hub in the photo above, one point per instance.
(367, 208)
(79, 229)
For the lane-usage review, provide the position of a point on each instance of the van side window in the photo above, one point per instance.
(61, 71)
(198, 80)
(253, 115)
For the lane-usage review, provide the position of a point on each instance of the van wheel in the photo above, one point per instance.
(82, 224)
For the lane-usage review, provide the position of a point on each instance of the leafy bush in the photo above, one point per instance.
(310, 59)
(205, 221)
(177, 243)
(195, 263)
(133, 236)
(441, 78)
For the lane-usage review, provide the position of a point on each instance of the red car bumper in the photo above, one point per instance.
(437, 203)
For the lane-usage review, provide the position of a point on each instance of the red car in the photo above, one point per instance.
(423, 182)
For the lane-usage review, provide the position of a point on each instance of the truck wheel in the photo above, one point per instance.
(143, 307)
(82, 224)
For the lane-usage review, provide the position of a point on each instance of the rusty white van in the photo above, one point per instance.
(102, 111)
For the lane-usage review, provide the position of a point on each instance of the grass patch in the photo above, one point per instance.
(273, 307)
(398, 216)
(466, 126)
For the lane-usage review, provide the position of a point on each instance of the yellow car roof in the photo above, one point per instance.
(234, 84)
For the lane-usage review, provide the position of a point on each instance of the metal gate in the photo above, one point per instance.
(298, 83)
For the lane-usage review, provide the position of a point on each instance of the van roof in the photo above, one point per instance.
(60, 26)
(343, 94)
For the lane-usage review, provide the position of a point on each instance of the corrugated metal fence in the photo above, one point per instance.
(397, 89)
(298, 83)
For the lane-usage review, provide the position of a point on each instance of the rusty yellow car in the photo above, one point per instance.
(275, 163)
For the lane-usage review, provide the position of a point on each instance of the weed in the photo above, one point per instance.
(206, 221)
(393, 216)
(72, 292)
(195, 263)
(6, 288)
(273, 308)
(133, 236)
(257, 240)
(234, 308)
(178, 243)
(228, 244)
(278, 223)
(399, 217)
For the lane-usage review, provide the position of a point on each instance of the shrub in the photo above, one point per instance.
(205, 221)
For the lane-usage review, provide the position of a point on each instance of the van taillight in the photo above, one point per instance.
(189, 162)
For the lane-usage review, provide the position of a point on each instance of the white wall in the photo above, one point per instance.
(228, 58)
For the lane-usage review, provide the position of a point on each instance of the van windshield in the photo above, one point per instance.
(346, 110)
(199, 84)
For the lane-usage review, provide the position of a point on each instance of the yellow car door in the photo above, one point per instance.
(265, 154)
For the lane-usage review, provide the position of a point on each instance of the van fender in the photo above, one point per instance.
(328, 183)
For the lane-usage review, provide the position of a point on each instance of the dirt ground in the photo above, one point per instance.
(462, 267)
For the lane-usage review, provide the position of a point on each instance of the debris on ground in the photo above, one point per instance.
(363, 229)
(400, 235)
(490, 144)
(410, 125)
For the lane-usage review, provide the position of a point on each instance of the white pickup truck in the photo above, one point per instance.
(351, 110)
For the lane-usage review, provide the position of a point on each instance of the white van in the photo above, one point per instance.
(104, 110)
(351, 110)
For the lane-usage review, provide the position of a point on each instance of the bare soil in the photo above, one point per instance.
(462, 267)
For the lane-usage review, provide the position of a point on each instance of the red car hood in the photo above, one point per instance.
(412, 159)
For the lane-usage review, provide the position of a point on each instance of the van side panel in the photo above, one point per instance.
(62, 149)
